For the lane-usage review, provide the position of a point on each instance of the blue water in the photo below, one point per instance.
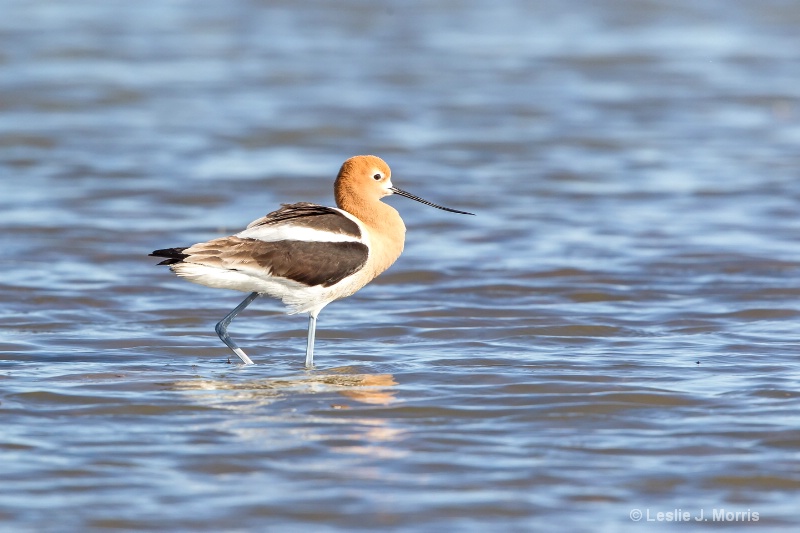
(613, 336)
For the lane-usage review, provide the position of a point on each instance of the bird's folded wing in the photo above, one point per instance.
(308, 262)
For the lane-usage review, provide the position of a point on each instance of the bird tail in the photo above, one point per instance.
(173, 255)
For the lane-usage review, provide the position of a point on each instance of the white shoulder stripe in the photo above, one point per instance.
(289, 232)
(364, 231)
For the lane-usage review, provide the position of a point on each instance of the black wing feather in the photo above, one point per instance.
(173, 255)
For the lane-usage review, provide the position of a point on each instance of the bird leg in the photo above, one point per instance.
(312, 330)
(222, 328)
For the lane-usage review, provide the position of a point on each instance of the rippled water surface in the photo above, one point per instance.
(615, 332)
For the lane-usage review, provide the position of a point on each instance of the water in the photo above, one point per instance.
(616, 329)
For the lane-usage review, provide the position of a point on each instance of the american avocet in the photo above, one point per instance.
(304, 254)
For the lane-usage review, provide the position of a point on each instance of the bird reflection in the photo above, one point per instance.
(370, 389)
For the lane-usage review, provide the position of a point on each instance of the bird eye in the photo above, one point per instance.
(377, 176)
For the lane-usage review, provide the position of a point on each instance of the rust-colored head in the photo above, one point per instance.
(366, 178)
(362, 179)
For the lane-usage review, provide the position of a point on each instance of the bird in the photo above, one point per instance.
(304, 254)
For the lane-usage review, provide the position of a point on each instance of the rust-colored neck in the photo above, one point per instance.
(387, 231)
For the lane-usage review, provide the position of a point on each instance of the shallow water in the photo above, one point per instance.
(616, 329)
